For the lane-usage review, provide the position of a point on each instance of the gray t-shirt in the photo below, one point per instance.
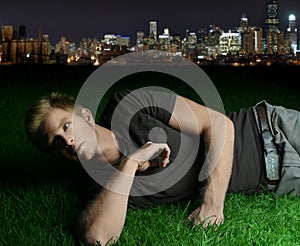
(133, 124)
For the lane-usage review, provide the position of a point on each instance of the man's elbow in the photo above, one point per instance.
(89, 238)
(93, 236)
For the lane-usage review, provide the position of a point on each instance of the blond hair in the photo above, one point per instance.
(34, 120)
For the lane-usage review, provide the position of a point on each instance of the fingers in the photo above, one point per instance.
(163, 150)
(151, 150)
(165, 155)
(159, 148)
(209, 220)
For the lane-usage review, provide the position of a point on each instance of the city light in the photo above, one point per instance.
(241, 45)
(292, 17)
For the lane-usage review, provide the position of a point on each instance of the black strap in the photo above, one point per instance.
(271, 152)
(265, 129)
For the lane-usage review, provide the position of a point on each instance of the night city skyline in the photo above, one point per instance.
(94, 19)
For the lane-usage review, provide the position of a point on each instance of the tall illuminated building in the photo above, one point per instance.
(244, 33)
(189, 43)
(7, 33)
(213, 39)
(291, 33)
(254, 40)
(272, 19)
(272, 32)
(165, 40)
(140, 39)
(244, 23)
(202, 41)
(230, 42)
(153, 30)
(7, 37)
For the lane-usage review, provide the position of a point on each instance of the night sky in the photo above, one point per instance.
(90, 18)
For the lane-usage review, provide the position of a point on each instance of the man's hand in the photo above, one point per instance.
(207, 215)
(148, 151)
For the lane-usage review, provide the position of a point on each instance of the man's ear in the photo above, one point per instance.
(88, 116)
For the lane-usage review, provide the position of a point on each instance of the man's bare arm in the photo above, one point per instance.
(218, 132)
(102, 221)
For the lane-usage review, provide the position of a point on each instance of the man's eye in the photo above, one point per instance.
(66, 126)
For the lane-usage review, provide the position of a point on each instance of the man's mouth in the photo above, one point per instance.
(78, 147)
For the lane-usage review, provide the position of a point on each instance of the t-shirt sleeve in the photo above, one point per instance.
(125, 104)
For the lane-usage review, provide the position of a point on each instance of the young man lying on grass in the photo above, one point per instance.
(140, 156)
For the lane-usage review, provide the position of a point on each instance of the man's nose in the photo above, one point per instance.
(69, 140)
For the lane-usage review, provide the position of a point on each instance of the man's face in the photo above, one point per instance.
(71, 136)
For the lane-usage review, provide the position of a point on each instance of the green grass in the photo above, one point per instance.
(36, 215)
(250, 220)
(43, 215)
(39, 195)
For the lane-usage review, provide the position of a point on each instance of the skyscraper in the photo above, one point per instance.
(291, 33)
(7, 33)
(272, 19)
(254, 40)
(153, 30)
(244, 23)
(140, 39)
(244, 33)
(272, 32)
